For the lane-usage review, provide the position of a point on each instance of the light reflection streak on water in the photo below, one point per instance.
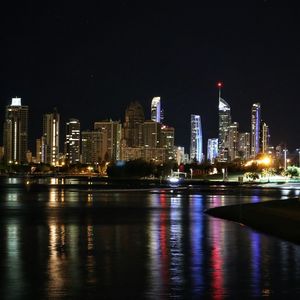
(90, 266)
(196, 240)
(255, 262)
(255, 199)
(13, 264)
(217, 282)
(56, 196)
(57, 259)
(176, 251)
(163, 238)
(90, 198)
(13, 180)
(12, 197)
(53, 181)
(154, 249)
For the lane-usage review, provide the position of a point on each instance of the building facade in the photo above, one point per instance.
(244, 145)
(151, 134)
(212, 150)
(110, 139)
(233, 140)
(265, 138)
(134, 118)
(90, 147)
(255, 129)
(15, 132)
(51, 138)
(224, 123)
(196, 148)
(167, 141)
(72, 142)
(156, 110)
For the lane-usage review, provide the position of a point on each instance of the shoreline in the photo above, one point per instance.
(280, 218)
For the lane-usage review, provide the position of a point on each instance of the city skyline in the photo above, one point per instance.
(228, 131)
(68, 57)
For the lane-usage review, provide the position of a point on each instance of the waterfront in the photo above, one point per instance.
(84, 242)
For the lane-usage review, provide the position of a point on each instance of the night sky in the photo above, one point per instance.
(90, 60)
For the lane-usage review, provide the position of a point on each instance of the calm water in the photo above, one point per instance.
(80, 242)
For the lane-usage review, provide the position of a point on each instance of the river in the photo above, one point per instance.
(70, 242)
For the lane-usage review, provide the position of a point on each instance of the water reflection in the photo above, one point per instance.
(136, 245)
(196, 240)
(255, 262)
(12, 268)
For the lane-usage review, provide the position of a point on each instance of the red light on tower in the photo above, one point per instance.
(220, 84)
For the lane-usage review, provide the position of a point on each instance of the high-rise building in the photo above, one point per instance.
(233, 140)
(224, 123)
(151, 134)
(212, 150)
(38, 150)
(1, 153)
(244, 145)
(196, 152)
(167, 141)
(180, 155)
(156, 110)
(255, 129)
(51, 138)
(265, 138)
(72, 142)
(15, 131)
(134, 117)
(110, 136)
(91, 147)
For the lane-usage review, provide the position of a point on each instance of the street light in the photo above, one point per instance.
(284, 153)
(298, 150)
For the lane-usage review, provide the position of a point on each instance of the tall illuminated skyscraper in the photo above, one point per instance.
(255, 129)
(15, 131)
(196, 139)
(72, 142)
(244, 145)
(167, 140)
(212, 150)
(224, 123)
(233, 140)
(156, 110)
(51, 138)
(265, 137)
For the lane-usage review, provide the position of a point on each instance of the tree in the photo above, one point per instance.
(292, 172)
(252, 176)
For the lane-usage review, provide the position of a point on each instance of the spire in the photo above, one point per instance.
(220, 85)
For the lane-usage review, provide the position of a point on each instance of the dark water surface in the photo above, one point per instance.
(61, 242)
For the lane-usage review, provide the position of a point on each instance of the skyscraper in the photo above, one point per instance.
(156, 110)
(110, 139)
(90, 147)
(167, 140)
(196, 138)
(15, 129)
(233, 140)
(51, 138)
(265, 137)
(255, 129)
(72, 142)
(151, 134)
(134, 117)
(224, 123)
(212, 150)
(244, 145)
